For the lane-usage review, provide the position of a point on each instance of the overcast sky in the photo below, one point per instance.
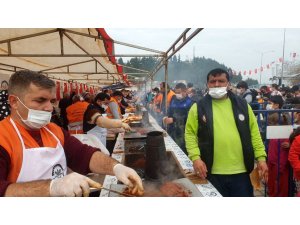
(240, 49)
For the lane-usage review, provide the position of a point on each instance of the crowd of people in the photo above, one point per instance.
(221, 136)
(216, 128)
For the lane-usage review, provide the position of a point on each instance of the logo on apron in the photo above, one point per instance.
(57, 171)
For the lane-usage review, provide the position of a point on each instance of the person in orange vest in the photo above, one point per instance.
(35, 153)
(75, 114)
(163, 100)
(114, 111)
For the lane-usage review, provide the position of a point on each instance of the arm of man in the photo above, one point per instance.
(191, 142)
(258, 146)
(191, 134)
(34, 188)
(114, 110)
(95, 117)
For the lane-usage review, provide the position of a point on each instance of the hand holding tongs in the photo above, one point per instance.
(92, 189)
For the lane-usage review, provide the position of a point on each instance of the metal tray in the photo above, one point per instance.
(183, 181)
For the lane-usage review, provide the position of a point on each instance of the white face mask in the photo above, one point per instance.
(218, 92)
(269, 107)
(104, 106)
(239, 91)
(36, 119)
(179, 96)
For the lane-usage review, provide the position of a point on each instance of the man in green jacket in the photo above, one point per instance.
(223, 140)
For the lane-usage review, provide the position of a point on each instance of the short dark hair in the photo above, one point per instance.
(217, 72)
(182, 86)
(275, 86)
(164, 85)
(101, 96)
(117, 93)
(21, 80)
(156, 89)
(242, 84)
(277, 99)
(4, 82)
(189, 85)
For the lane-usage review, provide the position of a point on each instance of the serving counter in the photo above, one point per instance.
(205, 188)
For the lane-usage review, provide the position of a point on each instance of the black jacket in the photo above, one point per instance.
(206, 133)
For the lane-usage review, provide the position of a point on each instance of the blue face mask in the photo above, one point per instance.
(36, 119)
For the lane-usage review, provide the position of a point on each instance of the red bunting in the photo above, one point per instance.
(58, 90)
(65, 87)
(80, 89)
(91, 90)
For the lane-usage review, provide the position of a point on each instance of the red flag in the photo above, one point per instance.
(57, 90)
(294, 54)
(76, 88)
(245, 72)
(80, 88)
(261, 69)
(280, 59)
(91, 90)
(268, 66)
(65, 88)
(255, 71)
(250, 72)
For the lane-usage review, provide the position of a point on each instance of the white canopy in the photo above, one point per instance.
(76, 55)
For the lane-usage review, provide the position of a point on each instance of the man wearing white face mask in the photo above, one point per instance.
(223, 140)
(177, 115)
(35, 154)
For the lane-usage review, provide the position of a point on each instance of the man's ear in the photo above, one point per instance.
(13, 101)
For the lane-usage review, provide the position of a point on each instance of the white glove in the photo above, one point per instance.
(71, 185)
(130, 178)
(126, 127)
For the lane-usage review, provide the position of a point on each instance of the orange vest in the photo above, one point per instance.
(108, 111)
(10, 141)
(169, 97)
(75, 114)
(157, 102)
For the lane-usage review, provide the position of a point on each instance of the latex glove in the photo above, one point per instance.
(126, 127)
(263, 170)
(200, 168)
(71, 185)
(130, 178)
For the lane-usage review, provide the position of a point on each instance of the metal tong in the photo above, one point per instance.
(92, 189)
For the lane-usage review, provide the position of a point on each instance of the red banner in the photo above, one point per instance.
(58, 97)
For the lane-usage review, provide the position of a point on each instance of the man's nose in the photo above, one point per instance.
(217, 84)
(49, 107)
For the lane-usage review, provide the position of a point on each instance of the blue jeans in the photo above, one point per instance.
(234, 185)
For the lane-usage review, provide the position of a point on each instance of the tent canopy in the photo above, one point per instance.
(83, 55)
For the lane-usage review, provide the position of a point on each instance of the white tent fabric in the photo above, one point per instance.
(63, 54)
